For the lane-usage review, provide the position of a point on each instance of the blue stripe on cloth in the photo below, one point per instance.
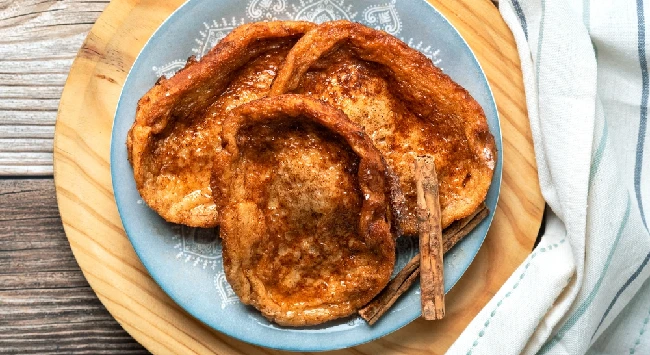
(598, 154)
(627, 283)
(521, 16)
(637, 342)
(643, 119)
(637, 172)
(573, 319)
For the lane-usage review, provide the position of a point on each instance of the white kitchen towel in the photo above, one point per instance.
(585, 288)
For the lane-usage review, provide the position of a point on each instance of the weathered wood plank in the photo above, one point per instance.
(34, 117)
(32, 103)
(41, 280)
(13, 163)
(69, 338)
(22, 159)
(31, 92)
(39, 39)
(35, 170)
(26, 131)
(38, 145)
(34, 79)
(46, 305)
(38, 65)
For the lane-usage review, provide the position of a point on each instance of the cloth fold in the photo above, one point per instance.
(585, 288)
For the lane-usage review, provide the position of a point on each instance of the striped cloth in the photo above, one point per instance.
(585, 288)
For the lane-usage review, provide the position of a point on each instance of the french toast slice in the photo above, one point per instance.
(305, 210)
(178, 121)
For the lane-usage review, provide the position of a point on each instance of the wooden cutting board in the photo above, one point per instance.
(92, 224)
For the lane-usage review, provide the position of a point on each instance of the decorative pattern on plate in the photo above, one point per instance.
(427, 50)
(383, 17)
(265, 9)
(379, 15)
(169, 69)
(213, 33)
(201, 247)
(322, 11)
(226, 293)
(355, 321)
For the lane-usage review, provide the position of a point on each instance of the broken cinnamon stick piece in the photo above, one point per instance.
(456, 226)
(395, 288)
(432, 286)
(374, 310)
(467, 226)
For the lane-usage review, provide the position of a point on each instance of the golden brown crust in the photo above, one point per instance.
(177, 123)
(407, 105)
(304, 200)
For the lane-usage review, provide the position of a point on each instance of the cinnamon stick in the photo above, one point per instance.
(374, 310)
(395, 288)
(432, 286)
(456, 226)
(466, 225)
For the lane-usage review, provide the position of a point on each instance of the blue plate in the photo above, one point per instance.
(186, 262)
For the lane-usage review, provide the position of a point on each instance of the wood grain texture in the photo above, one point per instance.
(46, 305)
(92, 224)
(38, 42)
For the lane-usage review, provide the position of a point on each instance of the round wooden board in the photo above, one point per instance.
(104, 253)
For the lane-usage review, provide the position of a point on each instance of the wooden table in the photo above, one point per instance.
(46, 305)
